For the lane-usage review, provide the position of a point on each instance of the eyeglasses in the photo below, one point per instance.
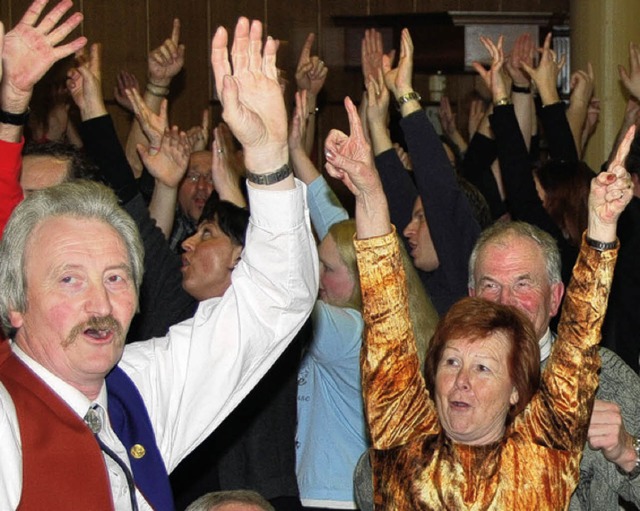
(194, 177)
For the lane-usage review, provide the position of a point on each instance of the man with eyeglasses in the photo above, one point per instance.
(194, 190)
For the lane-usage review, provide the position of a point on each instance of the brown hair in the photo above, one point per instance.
(476, 318)
(567, 185)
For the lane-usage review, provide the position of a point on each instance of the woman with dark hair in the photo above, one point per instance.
(481, 434)
(563, 188)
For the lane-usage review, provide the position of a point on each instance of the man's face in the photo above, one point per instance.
(512, 271)
(196, 186)
(417, 233)
(40, 172)
(80, 300)
(208, 260)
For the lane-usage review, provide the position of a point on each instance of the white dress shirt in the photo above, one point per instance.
(194, 377)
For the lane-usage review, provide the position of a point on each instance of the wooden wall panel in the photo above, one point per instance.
(121, 28)
(129, 29)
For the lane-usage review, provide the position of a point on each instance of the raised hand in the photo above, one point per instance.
(447, 119)
(31, 48)
(125, 81)
(610, 193)
(349, 157)
(253, 104)
(85, 83)
(371, 53)
(225, 170)
(546, 74)
(399, 79)
(523, 51)
(311, 72)
(169, 163)
(297, 131)
(377, 102)
(582, 85)
(631, 79)
(167, 60)
(198, 136)
(493, 77)
(152, 124)
(477, 112)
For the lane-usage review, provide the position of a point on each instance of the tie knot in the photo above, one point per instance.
(93, 421)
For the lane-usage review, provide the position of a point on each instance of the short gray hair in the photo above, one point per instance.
(501, 231)
(211, 501)
(78, 199)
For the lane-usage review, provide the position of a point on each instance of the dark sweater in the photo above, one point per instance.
(452, 225)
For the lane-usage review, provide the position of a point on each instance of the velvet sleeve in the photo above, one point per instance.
(397, 404)
(559, 413)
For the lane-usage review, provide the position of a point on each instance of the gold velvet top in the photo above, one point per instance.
(536, 464)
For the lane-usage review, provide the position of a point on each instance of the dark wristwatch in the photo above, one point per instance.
(14, 119)
(635, 472)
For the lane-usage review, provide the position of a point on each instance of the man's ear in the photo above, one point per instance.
(472, 291)
(16, 319)
(557, 292)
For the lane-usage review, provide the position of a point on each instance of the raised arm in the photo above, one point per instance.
(275, 283)
(516, 171)
(391, 379)
(553, 116)
(252, 101)
(522, 51)
(164, 63)
(571, 376)
(168, 166)
(325, 208)
(582, 86)
(311, 74)
(448, 215)
(28, 52)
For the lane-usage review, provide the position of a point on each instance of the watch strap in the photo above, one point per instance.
(409, 96)
(635, 472)
(270, 178)
(601, 246)
(15, 119)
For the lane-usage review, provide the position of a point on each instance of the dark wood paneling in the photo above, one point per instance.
(128, 29)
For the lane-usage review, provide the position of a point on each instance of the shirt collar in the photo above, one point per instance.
(545, 344)
(75, 399)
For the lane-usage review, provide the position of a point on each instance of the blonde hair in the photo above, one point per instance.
(424, 317)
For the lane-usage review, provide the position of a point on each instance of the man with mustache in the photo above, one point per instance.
(70, 270)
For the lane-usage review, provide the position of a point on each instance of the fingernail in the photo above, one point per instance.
(329, 155)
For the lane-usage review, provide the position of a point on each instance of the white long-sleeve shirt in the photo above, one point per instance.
(194, 377)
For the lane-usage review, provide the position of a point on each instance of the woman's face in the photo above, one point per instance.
(474, 390)
(336, 283)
